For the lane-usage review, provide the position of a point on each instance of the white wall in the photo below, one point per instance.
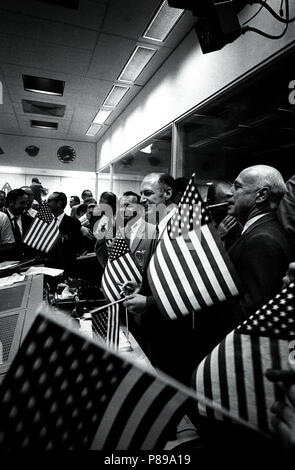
(15, 155)
(71, 183)
(188, 78)
(17, 167)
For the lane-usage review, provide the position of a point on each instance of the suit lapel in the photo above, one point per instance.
(138, 237)
(258, 222)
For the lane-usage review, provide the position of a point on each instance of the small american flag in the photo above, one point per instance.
(106, 326)
(65, 392)
(190, 268)
(233, 374)
(43, 233)
(120, 268)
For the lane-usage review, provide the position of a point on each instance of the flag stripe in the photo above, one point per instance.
(222, 375)
(256, 352)
(182, 300)
(248, 376)
(43, 232)
(120, 268)
(113, 408)
(109, 293)
(208, 384)
(214, 374)
(239, 374)
(158, 291)
(206, 264)
(230, 367)
(167, 287)
(138, 413)
(127, 408)
(199, 292)
(269, 388)
(132, 268)
(219, 259)
(202, 272)
(163, 419)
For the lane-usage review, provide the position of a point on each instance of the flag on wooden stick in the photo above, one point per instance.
(233, 375)
(190, 268)
(44, 232)
(106, 325)
(120, 268)
(64, 391)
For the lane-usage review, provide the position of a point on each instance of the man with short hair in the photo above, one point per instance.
(262, 254)
(7, 242)
(63, 255)
(32, 212)
(16, 206)
(168, 344)
(2, 200)
(74, 201)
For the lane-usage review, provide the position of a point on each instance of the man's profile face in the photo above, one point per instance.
(244, 191)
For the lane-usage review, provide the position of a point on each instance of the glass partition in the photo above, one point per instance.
(253, 123)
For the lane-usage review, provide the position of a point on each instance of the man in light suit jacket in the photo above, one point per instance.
(138, 233)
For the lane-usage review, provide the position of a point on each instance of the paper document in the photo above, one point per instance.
(8, 280)
(44, 270)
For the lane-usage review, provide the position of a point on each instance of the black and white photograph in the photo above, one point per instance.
(147, 230)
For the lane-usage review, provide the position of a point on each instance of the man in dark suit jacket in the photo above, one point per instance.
(286, 210)
(63, 255)
(262, 254)
(16, 206)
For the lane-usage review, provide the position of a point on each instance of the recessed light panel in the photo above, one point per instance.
(137, 62)
(101, 116)
(44, 125)
(115, 96)
(93, 130)
(162, 23)
(47, 86)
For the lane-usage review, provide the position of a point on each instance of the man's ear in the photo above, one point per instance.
(168, 193)
(262, 195)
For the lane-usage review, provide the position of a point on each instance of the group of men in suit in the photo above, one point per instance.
(260, 256)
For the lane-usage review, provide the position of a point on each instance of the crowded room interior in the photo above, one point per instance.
(147, 228)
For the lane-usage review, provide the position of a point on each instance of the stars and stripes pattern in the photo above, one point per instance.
(233, 374)
(43, 233)
(106, 326)
(66, 392)
(120, 268)
(190, 268)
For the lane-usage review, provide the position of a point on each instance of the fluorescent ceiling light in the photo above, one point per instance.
(44, 125)
(46, 86)
(93, 130)
(137, 62)
(115, 95)
(162, 22)
(147, 149)
(101, 116)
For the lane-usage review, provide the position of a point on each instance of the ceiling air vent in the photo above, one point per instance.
(46, 109)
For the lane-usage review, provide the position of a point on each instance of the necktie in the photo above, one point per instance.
(17, 233)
